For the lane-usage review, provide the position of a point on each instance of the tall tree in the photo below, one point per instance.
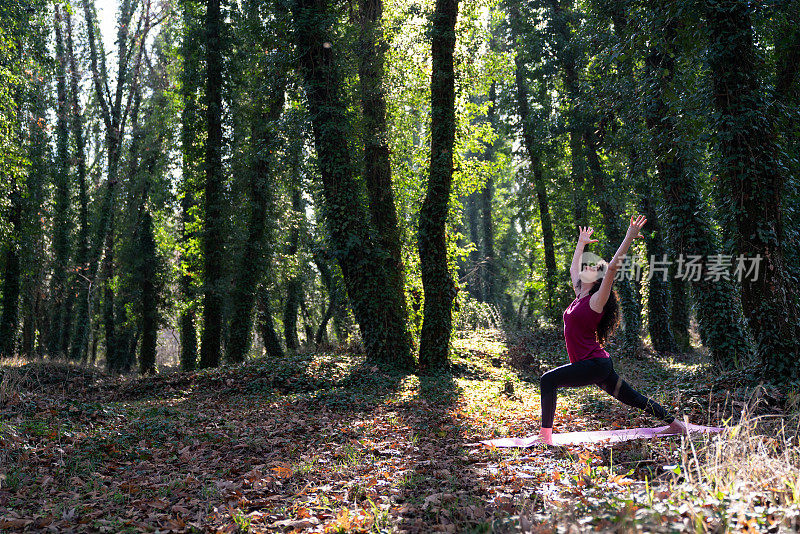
(752, 178)
(266, 325)
(437, 283)
(378, 173)
(61, 208)
(11, 276)
(688, 222)
(471, 270)
(114, 109)
(658, 290)
(33, 253)
(192, 158)
(346, 218)
(658, 310)
(294, 286)
(76, 125)
(213, 243)
(148, 289)
(533, 148)
(269, 99)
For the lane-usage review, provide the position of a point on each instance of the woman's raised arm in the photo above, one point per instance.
(599, 299)
(584, 238)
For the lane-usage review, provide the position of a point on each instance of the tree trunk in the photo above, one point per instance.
(533, 148)
(474, 259)
(658, 298)
(322, 329)
(307, 326)
(32, 247)
(61, 201)
(787, 90)
(689, 224)
(11, 277)
(338, 308)
(81, 255)
(213, 244)
(190, 181)
(294, 286)
(346, 217)
(269, 106)
(752, 180)
(266, 326)
(440, 291)
(378, 176)
(109, 322)
(679, 311)
(149, 296)
(658, 305)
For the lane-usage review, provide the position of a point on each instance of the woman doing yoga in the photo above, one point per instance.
(588, 322)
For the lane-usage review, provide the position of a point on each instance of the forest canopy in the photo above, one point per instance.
(223, 180)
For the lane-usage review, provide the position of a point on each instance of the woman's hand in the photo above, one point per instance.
(585, 236)
(636, 226)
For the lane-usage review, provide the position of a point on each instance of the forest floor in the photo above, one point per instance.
(324, 442)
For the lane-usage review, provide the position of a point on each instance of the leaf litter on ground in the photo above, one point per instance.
(326, 442)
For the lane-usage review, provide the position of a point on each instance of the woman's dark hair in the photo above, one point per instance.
(610, 320)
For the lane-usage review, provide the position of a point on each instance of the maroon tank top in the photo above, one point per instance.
(580, 331)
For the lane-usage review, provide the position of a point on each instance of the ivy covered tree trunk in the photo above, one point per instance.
(130, 255)
(378, 172)
(109, 319)
(687, 220)
(192, 156)
(149, 295)
(787, 91)
(679, 309)
(269, 105)
(752, 180)
(658, 301)
(11, 276)
(439, 288)
(658, 295)
(346, 218)
(294, 286)
(336, 293)
(266, 326)
(213, 248)
(534, 153)
(61, 200)
(82, 249)
(33, 252)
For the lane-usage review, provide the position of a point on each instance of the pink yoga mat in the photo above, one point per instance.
(597, 436)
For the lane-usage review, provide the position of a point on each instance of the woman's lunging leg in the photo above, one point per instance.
(582, 373)
(618, 388)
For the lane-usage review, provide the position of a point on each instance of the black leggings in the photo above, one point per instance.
(598, 371)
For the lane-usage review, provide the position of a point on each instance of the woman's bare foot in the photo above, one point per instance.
(675, 427)
(546, 435)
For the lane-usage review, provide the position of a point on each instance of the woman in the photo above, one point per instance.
(588, 323)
